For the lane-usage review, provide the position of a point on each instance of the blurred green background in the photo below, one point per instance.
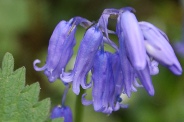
(25, 29)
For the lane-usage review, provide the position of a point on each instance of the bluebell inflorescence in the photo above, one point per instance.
(141, 48)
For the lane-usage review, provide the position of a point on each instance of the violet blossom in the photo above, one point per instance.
(141, 48)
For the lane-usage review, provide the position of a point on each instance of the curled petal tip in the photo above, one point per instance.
(38, 68)
(86, 102)
(86, 86)
(66, 77)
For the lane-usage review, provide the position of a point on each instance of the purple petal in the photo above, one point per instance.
(159, 48)
(38, 68)
(64, 112)
(86, 102)
(84, 60)
(153, 66)
(60, 50)
(134, 41)
(127, 70)
(103, 22)
(103, 82)
(145, 78)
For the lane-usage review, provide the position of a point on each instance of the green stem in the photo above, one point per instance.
(79, 108)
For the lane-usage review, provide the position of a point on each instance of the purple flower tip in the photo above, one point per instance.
(62, 112)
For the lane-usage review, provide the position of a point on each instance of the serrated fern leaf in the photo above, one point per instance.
(19, 103)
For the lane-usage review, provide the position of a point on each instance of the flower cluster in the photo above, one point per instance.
(142, 46)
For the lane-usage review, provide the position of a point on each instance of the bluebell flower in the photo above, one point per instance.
(62, 112)
(134, 44)
(130, 69)
(60, 48)
(142, 47)
(119, 80)
(127, 70)
(157, 46)
(103, 83)
(84, 60)
(105, 90)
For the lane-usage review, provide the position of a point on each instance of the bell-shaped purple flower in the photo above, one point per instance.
(127, 69)
(157, 46)
(84, 60)
(62, 112)
(60, 48)
(103, 84)
(134, 41)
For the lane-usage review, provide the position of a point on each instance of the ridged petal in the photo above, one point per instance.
(158, 47)
(134, 41)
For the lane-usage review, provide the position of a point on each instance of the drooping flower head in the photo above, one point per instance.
(141, 47)
(84, 60)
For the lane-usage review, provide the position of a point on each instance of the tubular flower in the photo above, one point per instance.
(107, 83)
(84, 60)
(103, 83)
(60, 48)
(134, 43)
(128, 73)
(157, 46)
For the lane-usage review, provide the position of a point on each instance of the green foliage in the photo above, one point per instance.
(58, 120)
(19, 103)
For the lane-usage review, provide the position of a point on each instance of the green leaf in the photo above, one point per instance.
(19, 103)
(58, 120)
